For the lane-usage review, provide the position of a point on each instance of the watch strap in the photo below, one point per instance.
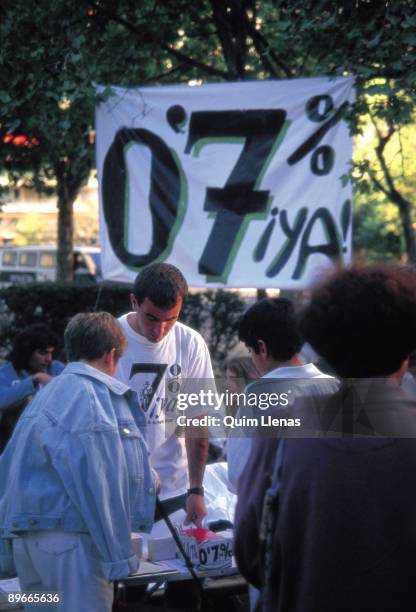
(195, 491)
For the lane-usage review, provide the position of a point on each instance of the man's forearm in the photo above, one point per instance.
(197, 453)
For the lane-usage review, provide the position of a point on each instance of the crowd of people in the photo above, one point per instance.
(325, 510)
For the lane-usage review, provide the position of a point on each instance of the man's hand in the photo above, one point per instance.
(195, 509)
(41, 378)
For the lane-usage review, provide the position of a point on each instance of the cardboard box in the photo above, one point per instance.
(159, 549)
(137, 543)
(206, 549)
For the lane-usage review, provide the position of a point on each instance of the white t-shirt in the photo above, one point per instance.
(151, 369)
(239, 448)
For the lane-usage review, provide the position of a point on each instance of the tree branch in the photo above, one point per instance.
(163, 75)
(378, 184)
(404, 205)
(146, 37)
(382, 142)
(266, 53)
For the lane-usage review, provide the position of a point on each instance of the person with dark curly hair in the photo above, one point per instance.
(30, 366)
(327, 522)
(362, 321)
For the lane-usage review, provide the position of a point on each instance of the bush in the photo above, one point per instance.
(214, 314)
(6, 324)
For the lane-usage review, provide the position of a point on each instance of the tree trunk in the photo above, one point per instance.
(389, 190)
(230, 22)
(261, 294)
(65, 239)
(71, 176)
(405, 208)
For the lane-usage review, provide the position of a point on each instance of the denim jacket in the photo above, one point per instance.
(17, 386)
(78, 462)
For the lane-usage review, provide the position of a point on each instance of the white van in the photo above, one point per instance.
(29, 264)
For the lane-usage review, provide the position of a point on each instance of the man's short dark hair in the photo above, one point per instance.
(273, 321)
(363, 321)
(90, 335)
(36, 337)
(162, 283)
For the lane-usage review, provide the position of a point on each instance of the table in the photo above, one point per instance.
(217, 583)
(171, 571)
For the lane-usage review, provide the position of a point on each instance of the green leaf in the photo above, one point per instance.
(52, 95)
(5, 97)
(12, 126)
(409, 37)
(345, 179)
(373, 90)
(67, 85)
(375, 41)
(78, 41)
(284, 25)
(409, 21)
(107, 93)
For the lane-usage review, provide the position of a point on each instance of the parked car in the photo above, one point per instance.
(27, 264)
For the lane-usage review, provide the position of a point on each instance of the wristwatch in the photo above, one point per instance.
(195, 491)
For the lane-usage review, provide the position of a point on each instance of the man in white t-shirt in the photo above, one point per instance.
(161, 356)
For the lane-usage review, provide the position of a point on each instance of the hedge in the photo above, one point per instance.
(214, 313)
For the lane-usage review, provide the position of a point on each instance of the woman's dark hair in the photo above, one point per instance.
(37, 337)
(363, 321)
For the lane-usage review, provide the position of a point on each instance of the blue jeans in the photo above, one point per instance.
(56, 561)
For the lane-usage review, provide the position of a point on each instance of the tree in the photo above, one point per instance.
(372, 39)
(47, 105)
(47, 68)
(377, 233)
(375, 40)
(52, 53)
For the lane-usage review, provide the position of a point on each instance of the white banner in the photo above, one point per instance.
(237, 184)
